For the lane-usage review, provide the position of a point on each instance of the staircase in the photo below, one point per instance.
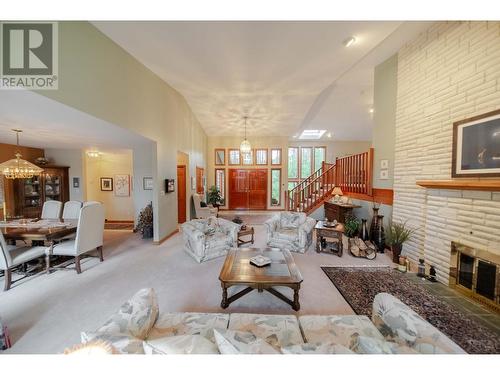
(353, 174)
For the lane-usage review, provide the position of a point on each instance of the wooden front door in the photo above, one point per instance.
(247, 189)
(181, 194)
(199, 180)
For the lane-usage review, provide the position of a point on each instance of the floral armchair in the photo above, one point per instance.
(206, 239)
(290, 230)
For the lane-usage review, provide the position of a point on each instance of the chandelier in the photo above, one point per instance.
(19, 168)
(245, 146)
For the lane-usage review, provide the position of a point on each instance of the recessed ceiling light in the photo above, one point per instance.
(312, 134)
(329, 135)
(349, 41)
(371, 110)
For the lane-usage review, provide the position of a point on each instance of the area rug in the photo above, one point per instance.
(359, 286)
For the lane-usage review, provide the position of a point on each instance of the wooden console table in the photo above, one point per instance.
(338, 211)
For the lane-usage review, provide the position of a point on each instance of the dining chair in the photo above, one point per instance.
(12, 256)
(89, 236)
(71, 210)
(51, 210)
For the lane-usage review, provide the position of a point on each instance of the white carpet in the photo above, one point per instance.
(46, 313)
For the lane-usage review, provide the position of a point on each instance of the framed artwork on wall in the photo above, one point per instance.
(122, 185)
(169, 185)
(147, 183)
(384, 164)
(106, 184)
(476, 146)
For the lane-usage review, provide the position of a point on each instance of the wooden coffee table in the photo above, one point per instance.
(237, 270)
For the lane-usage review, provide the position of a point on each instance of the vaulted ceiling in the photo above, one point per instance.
(286, 76)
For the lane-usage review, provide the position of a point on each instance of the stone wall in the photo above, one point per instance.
(449, 73)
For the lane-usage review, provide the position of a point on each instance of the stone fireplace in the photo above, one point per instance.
(476, 273)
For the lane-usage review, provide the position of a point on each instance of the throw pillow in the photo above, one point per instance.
(318, 348)
(203, 204)
(184, 344)
(123, 344)
(136, 316)
(238, 342)
(369, 345)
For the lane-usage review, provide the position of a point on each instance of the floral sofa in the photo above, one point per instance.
(139, 328)
(206, 239)
(290, 230)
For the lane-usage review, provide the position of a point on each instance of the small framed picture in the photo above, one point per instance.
(106, 184)
(170, 185)
(147, 183)
(384, 164)
(384, 174)
(122, 185)
(76, 182)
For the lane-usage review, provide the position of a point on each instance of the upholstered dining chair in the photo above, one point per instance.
(71, 210)
(51, 210)
(89, 236)
(12, 256)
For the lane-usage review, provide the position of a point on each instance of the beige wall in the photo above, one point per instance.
(384, 119)
(110, 164)
(100, 78)
(449, 73)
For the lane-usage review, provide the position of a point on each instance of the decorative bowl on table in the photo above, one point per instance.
(330, 224)
(260, 261)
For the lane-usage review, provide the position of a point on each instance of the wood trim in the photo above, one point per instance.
(255, 156)
(482, 185)
(166, 237)
(215, 156)
(454, 147)
(271, 156)
(384, 196)
(229, 156)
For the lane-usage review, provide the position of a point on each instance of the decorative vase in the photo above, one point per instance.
(396, 252)
(379, 234)
(365, 236)
(373, 224)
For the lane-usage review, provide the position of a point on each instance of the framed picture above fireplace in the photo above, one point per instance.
(476, 146)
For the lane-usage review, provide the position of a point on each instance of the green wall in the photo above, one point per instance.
(100, 78)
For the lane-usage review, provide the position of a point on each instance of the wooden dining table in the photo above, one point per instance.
(42, 230)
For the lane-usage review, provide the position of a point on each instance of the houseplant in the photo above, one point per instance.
(351, 226)
(214, 196)
(397, 233)
(145, 221)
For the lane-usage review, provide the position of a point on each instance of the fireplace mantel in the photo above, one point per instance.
(459, 184)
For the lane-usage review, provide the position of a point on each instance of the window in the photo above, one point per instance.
(319, 157)
(305, 162)
(234, 157)
(292, 184)
(276, 156)
(261, 156)
(220, 156)
(247, 158)
(220, 182)
(275, 187)
(293, 162)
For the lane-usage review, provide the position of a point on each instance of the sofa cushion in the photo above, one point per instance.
(316, 349)
(277, 330)
(291, 235)
(217, 240)
(175, 324)
(369, 345)
(238, 342)
(399, 323)
(290, 220)
(183, 344)
(135, 317)
(122, 344)
(338, 329)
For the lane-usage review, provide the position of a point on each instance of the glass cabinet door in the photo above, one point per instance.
(52, 187)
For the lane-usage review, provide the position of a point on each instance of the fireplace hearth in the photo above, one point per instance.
(476, 273)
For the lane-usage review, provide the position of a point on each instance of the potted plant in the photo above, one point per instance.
(351, 226)
(214, 196)
(145, 221)
(397, 233)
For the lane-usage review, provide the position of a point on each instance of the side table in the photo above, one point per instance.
(248, 231)
(335, 233)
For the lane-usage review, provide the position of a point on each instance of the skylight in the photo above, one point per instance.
(312, 134)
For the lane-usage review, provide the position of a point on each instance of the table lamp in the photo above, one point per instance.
(337, 191)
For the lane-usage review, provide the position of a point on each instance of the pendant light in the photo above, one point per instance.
(245, 146)
(19, 168)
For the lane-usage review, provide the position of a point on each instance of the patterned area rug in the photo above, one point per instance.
(360, 285)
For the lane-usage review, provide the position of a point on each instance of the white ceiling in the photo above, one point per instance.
(287, 76)
(50, 124)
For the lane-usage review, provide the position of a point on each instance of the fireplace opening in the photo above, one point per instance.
(486, 274)
(466, 271)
